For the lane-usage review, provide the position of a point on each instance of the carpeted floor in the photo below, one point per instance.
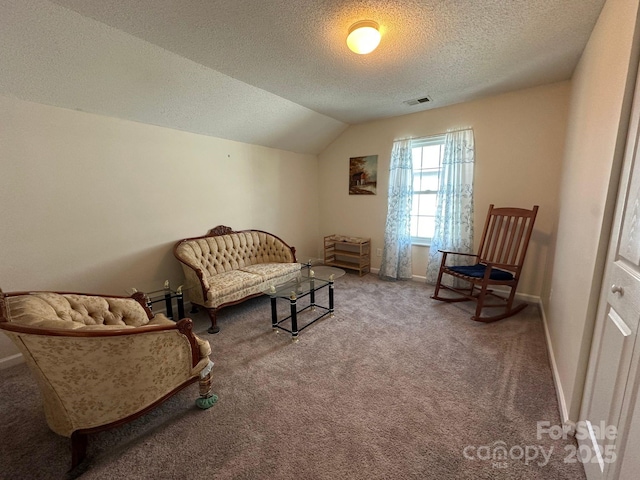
(396, 386)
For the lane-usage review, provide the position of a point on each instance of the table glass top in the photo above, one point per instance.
(303, 284)
(296, 287)
(323, 272)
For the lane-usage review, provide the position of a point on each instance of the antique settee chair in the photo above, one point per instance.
(226, 267)
(102, 361)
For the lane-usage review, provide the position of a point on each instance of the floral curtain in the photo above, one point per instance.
(396, 255)
(454, 211)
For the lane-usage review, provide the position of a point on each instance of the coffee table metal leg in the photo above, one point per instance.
(294, 317)
(312, 294)
(274, 315)
(180, 300)
(331, 297)
(167, 300)
(168, 305)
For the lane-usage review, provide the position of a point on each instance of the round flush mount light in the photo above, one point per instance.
(364, 37)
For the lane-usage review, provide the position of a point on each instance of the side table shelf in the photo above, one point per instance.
(166, 295)
(353, 253)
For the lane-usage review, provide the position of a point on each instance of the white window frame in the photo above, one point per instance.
(419, 143)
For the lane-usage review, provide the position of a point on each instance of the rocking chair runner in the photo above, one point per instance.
(499, 262)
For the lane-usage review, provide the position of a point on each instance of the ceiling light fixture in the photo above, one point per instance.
(364, 37)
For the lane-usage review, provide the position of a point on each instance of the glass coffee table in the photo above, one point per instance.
(306, 284)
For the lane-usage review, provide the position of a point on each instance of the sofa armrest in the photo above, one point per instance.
(197, 284)
(196, 276)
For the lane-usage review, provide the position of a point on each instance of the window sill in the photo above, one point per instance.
(420, 243)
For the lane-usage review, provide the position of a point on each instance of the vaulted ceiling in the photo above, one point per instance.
(278, 73)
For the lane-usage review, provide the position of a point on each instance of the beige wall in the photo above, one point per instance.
(95, 204)
(519, 140)
(598, 118)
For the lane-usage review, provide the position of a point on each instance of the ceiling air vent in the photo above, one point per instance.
(418, 101)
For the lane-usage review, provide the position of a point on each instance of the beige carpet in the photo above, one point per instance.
(396, 386)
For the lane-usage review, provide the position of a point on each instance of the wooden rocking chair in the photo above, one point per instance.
(498, 262)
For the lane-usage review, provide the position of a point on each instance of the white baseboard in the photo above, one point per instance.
(11, 360)
(522, 297)
(562, 404)
(414, 278)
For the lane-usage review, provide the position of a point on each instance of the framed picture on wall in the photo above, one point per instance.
(363, 175)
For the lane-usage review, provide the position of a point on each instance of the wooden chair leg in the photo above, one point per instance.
(509, 309)
(213, 315)
(512, 296)
(480, 303)
(437, 289)
(78, 448)
(440, 272)
(207, 398)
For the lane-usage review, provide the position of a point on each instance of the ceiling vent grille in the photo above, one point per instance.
(418, 101)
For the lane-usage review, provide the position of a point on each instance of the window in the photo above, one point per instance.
(427, 159)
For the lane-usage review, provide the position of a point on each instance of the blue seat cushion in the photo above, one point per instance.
(477, 271)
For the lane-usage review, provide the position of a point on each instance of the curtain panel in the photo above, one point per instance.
(454, 210)
(396, 254)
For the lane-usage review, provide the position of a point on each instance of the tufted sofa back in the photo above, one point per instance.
(73, 311)
(223, 253)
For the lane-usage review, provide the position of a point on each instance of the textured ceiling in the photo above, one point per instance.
(243, 58)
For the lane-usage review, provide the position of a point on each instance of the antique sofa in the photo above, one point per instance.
(226, 267)
(101, 361)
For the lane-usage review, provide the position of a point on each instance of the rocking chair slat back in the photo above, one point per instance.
(511, 246)
(506, 236)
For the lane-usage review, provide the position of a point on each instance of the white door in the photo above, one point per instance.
(604, 431)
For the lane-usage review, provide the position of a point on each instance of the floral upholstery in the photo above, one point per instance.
(225, 288)
(98, 359)
(228, 268)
